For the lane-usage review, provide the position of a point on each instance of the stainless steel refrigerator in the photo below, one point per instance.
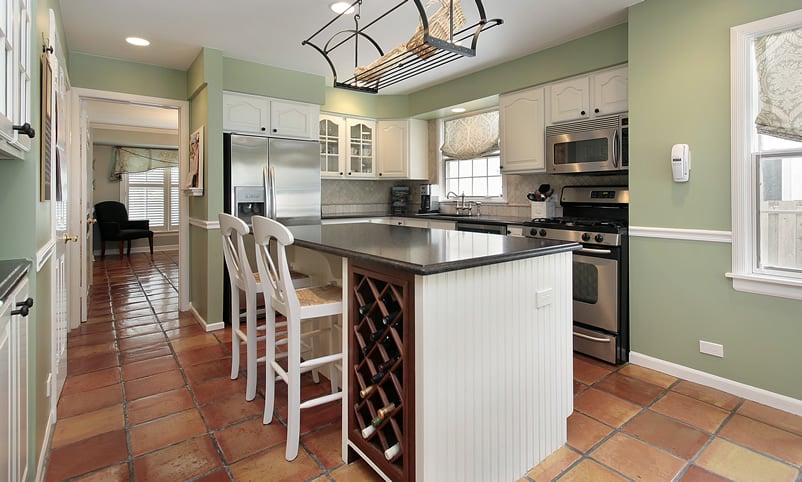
(274, 177)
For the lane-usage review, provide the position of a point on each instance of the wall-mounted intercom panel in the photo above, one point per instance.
(681, 162)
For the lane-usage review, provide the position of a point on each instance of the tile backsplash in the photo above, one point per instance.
(357, 197)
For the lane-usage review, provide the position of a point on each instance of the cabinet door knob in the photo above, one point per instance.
(264, 129)
(24, 307)
(582, 113)
(596, 110)
(275, 130)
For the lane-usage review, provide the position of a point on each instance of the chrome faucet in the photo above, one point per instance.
(462, 207)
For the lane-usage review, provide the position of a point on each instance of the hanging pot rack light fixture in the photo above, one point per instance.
(439, 39)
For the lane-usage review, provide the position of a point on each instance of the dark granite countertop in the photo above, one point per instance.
(489, 219)
(419, 250)
(11, 271)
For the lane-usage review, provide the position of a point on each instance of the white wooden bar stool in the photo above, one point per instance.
(242, 279)
(298, 306)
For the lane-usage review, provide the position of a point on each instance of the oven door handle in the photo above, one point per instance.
(593, 338)
(616, 149)
(594, 251)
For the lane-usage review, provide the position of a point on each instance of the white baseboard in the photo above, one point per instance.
(206, 326)
(43, 452)
(759, 395)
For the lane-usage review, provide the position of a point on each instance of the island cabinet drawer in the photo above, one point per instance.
(381, 389)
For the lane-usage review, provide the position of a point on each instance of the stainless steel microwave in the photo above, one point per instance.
(595, 145)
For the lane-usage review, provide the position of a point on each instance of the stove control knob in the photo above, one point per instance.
(533, 232)
(542, 232)
(585, 237)
(599, 238)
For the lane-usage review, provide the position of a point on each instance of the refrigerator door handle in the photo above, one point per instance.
(272, 181)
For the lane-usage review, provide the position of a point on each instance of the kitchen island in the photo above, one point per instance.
(457, 349)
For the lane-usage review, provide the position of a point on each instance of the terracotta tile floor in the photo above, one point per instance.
(148, 398)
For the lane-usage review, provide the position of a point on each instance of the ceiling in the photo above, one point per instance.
(271, 32)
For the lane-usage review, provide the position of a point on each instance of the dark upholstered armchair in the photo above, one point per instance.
(112, 219)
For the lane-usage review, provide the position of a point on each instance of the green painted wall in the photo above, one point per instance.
(205, 82)
(101, 73)
(251, 78)
(679, 92)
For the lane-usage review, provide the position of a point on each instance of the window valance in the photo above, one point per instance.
(141, 159)
(471, 136)
(779, 66)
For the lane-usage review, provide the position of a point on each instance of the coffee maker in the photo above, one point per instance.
(428, 201)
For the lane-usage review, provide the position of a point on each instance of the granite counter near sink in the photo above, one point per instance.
(11, 271)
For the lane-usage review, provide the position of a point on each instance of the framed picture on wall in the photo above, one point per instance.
(194, 179)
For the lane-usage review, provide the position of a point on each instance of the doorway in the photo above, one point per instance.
(108, 119)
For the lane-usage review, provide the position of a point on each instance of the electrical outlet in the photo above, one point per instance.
(543, 298)
(709, 348)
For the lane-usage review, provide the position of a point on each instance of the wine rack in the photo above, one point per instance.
(381, 360)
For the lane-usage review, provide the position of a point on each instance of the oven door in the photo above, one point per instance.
(596, 289)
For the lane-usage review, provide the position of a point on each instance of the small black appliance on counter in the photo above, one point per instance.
(399, 196)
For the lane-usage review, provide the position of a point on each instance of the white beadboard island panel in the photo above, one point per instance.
(493, 371)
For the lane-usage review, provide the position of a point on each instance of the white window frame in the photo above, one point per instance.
(168, 185)
(746, 275)
(442, 164)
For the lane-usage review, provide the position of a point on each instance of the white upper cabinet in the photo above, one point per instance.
(332, 142)
(253, 114)
(294, 119)
(521, 128)
(610, 92)
(245, 113)
(347, 147)
(569, 99)
(601, 93)
(401, 147)
(361, 140)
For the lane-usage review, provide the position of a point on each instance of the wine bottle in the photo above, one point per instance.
(392, 451)
(383, 368)
(367, 391)
(382, 414)
(379, 336)
(386, 320)
(368, 431)
(365, 308)
(390, 304)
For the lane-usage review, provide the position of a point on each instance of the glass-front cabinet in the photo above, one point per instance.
(331, 154)
(361, 140)
(347, 147)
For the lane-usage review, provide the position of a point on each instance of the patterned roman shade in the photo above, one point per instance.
(779, 67)
(471, 136)
(141, 159)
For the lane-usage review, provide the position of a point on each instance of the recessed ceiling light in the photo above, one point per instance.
(340, 7)
(139, 42)
(458, 110)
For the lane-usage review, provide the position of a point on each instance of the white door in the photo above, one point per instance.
(65, 253)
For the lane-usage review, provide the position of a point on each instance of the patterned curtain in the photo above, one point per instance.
(141, 159)
(779, 68)
(471, 137)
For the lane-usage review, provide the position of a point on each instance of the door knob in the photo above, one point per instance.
(91, 221)
(70, 237)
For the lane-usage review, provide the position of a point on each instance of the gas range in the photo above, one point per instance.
(597, 218)
(592, 215)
